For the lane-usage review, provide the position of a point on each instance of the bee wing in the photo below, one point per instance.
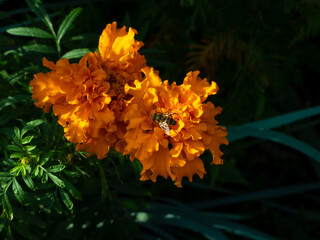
(165, 127)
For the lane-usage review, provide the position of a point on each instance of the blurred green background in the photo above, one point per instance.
(264, 56)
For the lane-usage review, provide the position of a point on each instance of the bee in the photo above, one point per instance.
(165, 120)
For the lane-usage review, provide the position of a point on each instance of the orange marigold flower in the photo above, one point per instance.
(88, 97)
(170, 126)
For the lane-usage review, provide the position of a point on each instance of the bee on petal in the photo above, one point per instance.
(165, 120)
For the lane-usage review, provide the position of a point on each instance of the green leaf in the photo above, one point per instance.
(17, 155)
(285, 118)
(104, 183)
(39, 48)
(28, 181)
(5, 176)
(14, 148)
(7, 206)
(279, 138)
(36, 171)
(37, 8)
(27, 139)
(66, 199)
(56, 180)
(46, 158)
(18, 191)
(235, 133)
(44, 178)
(56, 168)
(258, 195)
(29, 148)
(76, 53)
(29, 32)
(67, 22)
(17, 132)
(242, 230)
(11, 100)
(72, 189)
(16, 170)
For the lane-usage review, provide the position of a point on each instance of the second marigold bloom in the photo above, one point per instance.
(170, 126)
(88, 97)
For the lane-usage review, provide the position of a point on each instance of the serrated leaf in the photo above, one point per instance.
(17, 155)
(28, 181)
(44, 178)
(29, 32)
(11, 100)
(39, 48)
(5, 176)
(14, 148)
(18, 191)
(23, 170)
(29, 148)
(46, 158)
(76, 53)
(16, 170)
(67, 22)
(16, 131)
(27, 139)
(56, 180)
(66, 199)
(56, 168)
(36, 171)
(72, 189)
(37, 8)
(7, 206)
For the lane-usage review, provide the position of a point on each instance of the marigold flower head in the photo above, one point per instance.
(88, 97)
(170, 126)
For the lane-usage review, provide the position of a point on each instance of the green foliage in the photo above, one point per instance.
(264, 58)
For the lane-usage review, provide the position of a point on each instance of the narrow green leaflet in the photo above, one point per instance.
(29, 32)
(28, 181)
(11, 100)
(72, 189)
(67, 22)
(18, 192)
(76, 53)
(31, 125)
(56, 168)
(66, 199)
(39, 48)
(7, 206)
(46, 158)
(5, 176)
(37, 8)
(56, 180)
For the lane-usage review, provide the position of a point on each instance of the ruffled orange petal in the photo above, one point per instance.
(188, 170)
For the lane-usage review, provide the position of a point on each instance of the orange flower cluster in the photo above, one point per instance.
(173, 151)
(88, 97)
(111, 99)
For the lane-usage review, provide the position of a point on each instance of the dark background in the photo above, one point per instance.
(264, 56)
